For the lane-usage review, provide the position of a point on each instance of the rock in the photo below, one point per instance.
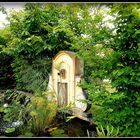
(17, 123)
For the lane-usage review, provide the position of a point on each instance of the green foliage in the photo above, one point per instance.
(39, 31)
(121, 66)
(16, 110)
(35, 112)
(124, 103)
(63, 110)
(32, 76)
(70, 117)
(42, 112)
(6, 73)
(9, 130)
(36, 35)
(111, 132)
(58, 133)
(26, 134)
(113, 54)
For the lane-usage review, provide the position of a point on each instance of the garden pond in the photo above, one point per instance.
(14, 118)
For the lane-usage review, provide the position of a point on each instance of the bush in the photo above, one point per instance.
(7, 79)
(42, 112)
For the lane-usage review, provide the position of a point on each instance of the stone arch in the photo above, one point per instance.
(66, 74)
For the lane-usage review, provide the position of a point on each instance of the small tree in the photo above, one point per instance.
(121, 108)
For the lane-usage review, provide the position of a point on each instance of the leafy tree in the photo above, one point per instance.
(36, 37)
(38, 32)
(120, 108)
(6, 72)
(125, 69)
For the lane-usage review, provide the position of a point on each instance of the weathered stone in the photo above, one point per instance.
(67, 74)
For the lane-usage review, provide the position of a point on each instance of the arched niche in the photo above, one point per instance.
(67, 72)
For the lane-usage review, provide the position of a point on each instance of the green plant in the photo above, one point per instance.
(16, 110)
(58, 133)
(110, 131)
(10, 130)
(6, 73)
(26, 134)
(114, 55)
(69, 118)
(63, 110)
(42, 112)
(32, 76)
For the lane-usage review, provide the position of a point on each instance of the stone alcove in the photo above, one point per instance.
(67, 73)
